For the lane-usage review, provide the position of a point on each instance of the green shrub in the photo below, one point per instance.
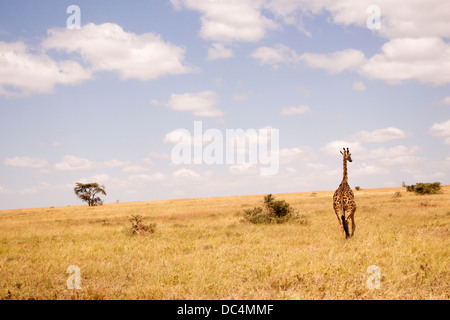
(425, 188)
(274, 211)
(357, 188)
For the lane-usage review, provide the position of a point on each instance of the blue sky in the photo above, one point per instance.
(101, 103)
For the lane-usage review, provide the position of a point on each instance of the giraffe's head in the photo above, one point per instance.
(347, 155)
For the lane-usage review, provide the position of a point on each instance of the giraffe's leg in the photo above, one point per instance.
(341, 226)
(338, 216)
(353, 225)
(351, 217)
(344, 225)
(347, 222)
(353, 221)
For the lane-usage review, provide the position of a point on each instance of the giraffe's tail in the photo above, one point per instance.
(344, 225)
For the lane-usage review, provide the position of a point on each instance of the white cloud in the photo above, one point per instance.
(400, 156)
(415, 29)
(25, 162)
(289, 11)
(380, 135)
(446, 101)
(292, 155)
(242, 96)
(280, 54)
(244, 168)
(70, 162)
(359, 86)
(426, 60)
(114, 163)
(334, 147)
(123, 185)
(200, 104)
(441, 129)
(139, 178)
(398, 18)
(319, 167)
(242, 20)
(158, 156)
(179, 136)
(305, 91)
(107, 47)
(188, 174)
(349, 59)
(369, 169)
(291, 170)
(374, 162)
(230, 20)
(218, 51)
(25, 72)
(148, 161)
(339, 61)
(288, 111)
(35, 189)
(101, 178)
(134, 169)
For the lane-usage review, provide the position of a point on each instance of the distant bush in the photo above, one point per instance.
(425, 188)
(139, 228)
(274, 211)
(357, 188)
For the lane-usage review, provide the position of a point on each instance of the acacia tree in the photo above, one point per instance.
(87, 192)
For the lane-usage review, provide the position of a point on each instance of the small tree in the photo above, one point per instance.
(87, 192)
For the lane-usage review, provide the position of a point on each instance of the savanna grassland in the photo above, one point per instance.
(201, 249)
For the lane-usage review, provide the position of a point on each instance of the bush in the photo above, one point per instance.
(274, 211)
(425, 188)
(139, 228)
(357, 188)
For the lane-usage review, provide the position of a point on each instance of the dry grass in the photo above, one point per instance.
(202, 250)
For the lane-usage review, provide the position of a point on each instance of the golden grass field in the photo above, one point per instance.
(202, 250)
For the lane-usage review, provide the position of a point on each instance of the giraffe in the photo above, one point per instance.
(343, 200)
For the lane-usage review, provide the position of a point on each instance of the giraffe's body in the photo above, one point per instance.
(344, 201)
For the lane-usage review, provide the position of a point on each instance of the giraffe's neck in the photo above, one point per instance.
(345, 176)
